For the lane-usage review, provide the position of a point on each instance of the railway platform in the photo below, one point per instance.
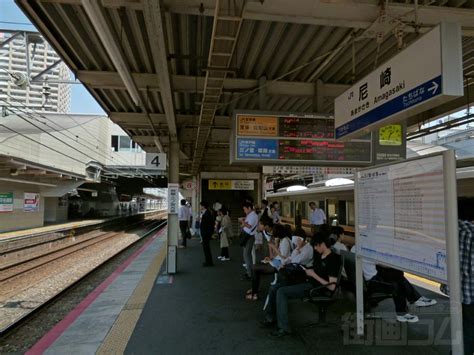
(76, 226)
(140, 310)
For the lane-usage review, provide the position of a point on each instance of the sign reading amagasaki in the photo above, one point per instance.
(424, 75)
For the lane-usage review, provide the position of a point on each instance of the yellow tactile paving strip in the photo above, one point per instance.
(118, 337)
(50, 228)
(425, 283)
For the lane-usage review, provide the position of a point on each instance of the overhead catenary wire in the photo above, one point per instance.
(73, 137)
(116, 172)
(79, 124)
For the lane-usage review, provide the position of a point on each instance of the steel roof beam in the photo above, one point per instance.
(186, 83)
(155, 29)
(344, 13)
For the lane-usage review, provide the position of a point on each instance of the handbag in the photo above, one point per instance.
(244, 237)
(291, 274)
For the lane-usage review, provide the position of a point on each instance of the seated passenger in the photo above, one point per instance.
(279, 249)
(302, 251)
(325, 272)
(335, 239)
(403, 290)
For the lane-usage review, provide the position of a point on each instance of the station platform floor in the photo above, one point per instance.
(52, 228)
(60, 227)
(141, 310)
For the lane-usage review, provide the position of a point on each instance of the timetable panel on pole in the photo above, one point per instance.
(401, 216)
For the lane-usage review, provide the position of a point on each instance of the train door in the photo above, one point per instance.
(331, 211)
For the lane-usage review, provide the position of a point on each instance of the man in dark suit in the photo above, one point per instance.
(207, 229)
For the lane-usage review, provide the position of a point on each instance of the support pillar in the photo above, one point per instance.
(318, 99)
(173, 227)
(262, 93)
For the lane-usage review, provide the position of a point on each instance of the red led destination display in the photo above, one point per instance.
(277, 138)
(323, 150)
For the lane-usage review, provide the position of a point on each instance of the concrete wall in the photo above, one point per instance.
(89, 135)
(18, 219)
(53, 212)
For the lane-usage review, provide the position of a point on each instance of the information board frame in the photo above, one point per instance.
(271, 143)
(452, 247)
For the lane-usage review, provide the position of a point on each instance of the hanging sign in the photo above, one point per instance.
(156, 161)
(231, 185)
(424, 75)
(173, 198)
(281, 138)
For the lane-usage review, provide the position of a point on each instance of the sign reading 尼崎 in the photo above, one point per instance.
(424, 75)
(6, 202)
(31, 202)
(231, 185)
(289, 138)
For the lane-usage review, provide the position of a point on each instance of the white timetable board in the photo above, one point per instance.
(402, 216)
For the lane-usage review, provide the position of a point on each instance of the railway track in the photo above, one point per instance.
(30, 285)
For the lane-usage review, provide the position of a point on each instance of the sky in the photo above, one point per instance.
(12, 18)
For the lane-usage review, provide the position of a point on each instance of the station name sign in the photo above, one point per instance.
(280, 138)
(422, 76)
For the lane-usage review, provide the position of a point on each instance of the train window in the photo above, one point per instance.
(332, 211)
(350, 213)
(342, 212)
(303, 209)
(286, 209)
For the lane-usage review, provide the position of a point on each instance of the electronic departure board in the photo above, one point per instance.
(281, 138)
(326, 150)
(305, 127)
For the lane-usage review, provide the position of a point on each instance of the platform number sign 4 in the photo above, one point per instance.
(156, 161)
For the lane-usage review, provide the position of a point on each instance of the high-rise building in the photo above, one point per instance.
(21, 60)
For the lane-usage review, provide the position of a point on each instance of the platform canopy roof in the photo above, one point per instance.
(176, 69)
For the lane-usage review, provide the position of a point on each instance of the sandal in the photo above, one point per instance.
(252, 297)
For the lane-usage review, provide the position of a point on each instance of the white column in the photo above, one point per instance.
(173, 228)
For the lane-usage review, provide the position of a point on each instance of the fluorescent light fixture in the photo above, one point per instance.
(296, 188)
(338, 182)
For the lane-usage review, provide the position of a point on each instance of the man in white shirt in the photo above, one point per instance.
(249, 226)
(317, 217)
(184, 216)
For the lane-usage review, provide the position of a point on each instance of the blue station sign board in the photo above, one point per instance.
(424, 75)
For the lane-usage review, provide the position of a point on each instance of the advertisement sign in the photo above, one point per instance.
(6, 202)
(422, 76)
(31, 202)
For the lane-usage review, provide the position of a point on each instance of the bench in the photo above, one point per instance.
(324, 301)
(374, 291)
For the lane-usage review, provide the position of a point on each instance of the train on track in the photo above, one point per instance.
(338, 201)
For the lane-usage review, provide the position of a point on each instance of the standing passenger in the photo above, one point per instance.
(317, 217)
(275, 214)
(249, 226)
(466, 260)
(207, 228)
(226, 231)
(183, 217)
